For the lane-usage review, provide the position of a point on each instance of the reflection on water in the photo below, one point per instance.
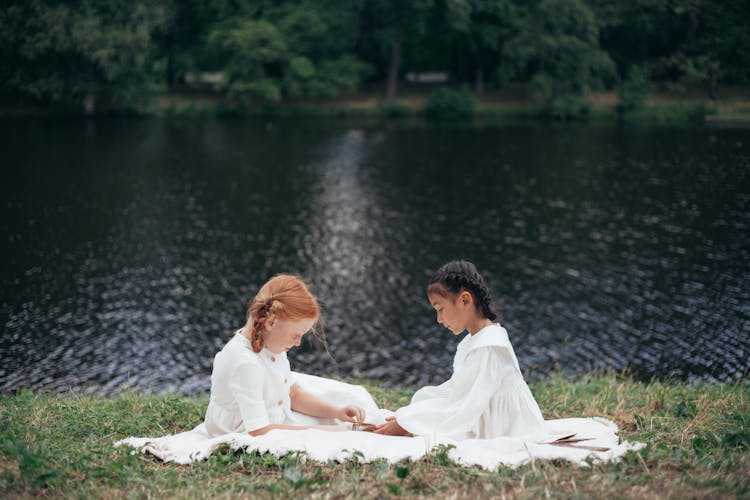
(132, 247)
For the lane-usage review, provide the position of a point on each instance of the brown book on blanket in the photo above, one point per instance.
(570, 440)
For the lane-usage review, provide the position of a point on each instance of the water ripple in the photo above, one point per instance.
(132, 247)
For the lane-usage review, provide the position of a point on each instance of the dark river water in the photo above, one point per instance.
(131, 247)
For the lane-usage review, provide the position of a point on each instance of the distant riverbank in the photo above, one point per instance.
(661, 106)
(698, 445)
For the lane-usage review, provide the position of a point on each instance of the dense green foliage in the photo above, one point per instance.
(559, 51)
(64, 52)
(446, 103)
(118, 52)
(697, 445)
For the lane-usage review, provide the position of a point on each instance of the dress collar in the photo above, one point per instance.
(264, 353)
(242, 339)
(479, 336)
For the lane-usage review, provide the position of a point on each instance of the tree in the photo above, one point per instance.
(292, 49)
(183, 41)
(558, 49)
(638, 32)
(395, 60)
(480, 29)
(392, 34)
(679, 40)
(254, 53)
(82, 52)
(719, 49)
(322, 39)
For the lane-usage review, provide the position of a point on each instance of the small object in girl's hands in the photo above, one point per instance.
(362, 426)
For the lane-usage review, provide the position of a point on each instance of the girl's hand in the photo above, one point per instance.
(391, 428)
(350, 414)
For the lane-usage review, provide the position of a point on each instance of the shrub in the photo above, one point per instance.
(446, 103)
(569, 107)
(556, 103)
(393, 110)
(633, 90)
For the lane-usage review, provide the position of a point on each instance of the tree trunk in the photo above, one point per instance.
(712, 84)
(479, 87)
(391, 86)
(89, 105)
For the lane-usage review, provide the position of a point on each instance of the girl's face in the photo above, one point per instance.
(282, 335)
(454, 313)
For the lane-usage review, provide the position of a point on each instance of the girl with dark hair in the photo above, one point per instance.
(486, 397)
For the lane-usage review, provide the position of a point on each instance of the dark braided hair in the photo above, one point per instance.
(460, 275)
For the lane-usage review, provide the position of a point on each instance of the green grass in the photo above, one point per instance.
(698, 445)
(670, 113)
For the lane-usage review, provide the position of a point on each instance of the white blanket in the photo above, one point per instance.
(195, 445)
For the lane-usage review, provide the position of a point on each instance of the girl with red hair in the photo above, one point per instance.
(252, 387)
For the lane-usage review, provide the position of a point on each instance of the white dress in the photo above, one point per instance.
(249, 390)
(486, 397)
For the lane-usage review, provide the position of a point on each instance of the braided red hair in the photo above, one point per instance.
(285, 297)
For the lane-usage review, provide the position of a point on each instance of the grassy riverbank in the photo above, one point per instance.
(698, 446)
(511, 104)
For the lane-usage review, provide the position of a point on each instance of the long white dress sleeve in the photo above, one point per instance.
(433, 391)
(485, 398)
